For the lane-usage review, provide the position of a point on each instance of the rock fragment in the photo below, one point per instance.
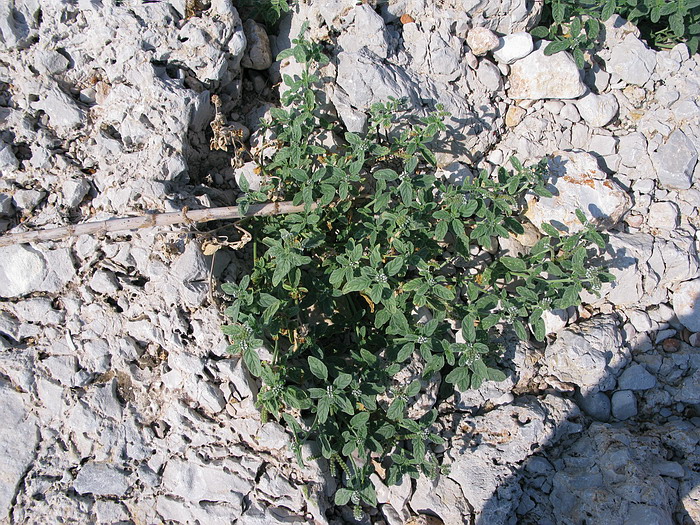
(22, 270)
(686, 304)
(18, 439)
(513, 47)
(578, 183)
(597, 110)
(675, 161)
(538, 76)
(586, 355)
(101, 479)
(257, 53)
(481, 40)
(624, 404)
(636, 377)
(632, 61)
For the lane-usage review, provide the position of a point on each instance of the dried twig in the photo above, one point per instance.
(149, 221)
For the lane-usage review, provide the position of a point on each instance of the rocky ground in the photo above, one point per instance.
(118, 401)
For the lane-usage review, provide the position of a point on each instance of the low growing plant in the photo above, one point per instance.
(574, 25)
(328, 316)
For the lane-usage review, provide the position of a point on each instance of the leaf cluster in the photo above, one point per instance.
(334, 292)
(269, 12)
(575, 25)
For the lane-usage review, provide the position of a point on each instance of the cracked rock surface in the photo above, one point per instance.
(118, 400)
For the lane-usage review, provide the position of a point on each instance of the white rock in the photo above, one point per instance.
(633, 148)
(22, 270)
(104, 282)
(252, 174)
(489, 75)
(632, 61)
(455, 173)
(583, 354)
(27, 200)
(597, 110)
(578, 183)
(675, 161)
(74, 191)
(554, 320)
(513, 47)
(367, 30)
(257, 54)
(663, 215)
(538, 76)
(64, 114)
(481, 40)
(640, 320)
(273, 437)
(8, 161)
(686, 304)
(18, 439)
(101, 479)
(195, 482)
(570, 112)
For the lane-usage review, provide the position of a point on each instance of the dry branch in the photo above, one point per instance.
(149, 221)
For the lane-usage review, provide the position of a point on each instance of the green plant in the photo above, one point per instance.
(268, 12)
(574, 25)
(333, 291)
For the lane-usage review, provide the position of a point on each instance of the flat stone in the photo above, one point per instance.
(675, 161)
(624, 405)
(663, 215)
(257, 53)
(22, 270)
(481, 40)
(18, 440)
(636, 377)
(101, 479)
(513, 47)
(578, 183)
(195, 482)
(686, 304)
(632, 61)
(597, 110)
(538, 76)
(273, 436)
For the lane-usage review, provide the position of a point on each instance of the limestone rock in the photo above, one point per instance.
(686, 304)
(538, 76)
(481, 40)
(632, 61)
(64, 114)
(663, 215)
(513, 47)
(589, 482)
(578, 183)
(586, 355)
(367, 30)
(22, 270)
(101, 479)
(257, 54)
(18, 439)
(489, 75)
(636, 377)
(675, 161)
(597, 110)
